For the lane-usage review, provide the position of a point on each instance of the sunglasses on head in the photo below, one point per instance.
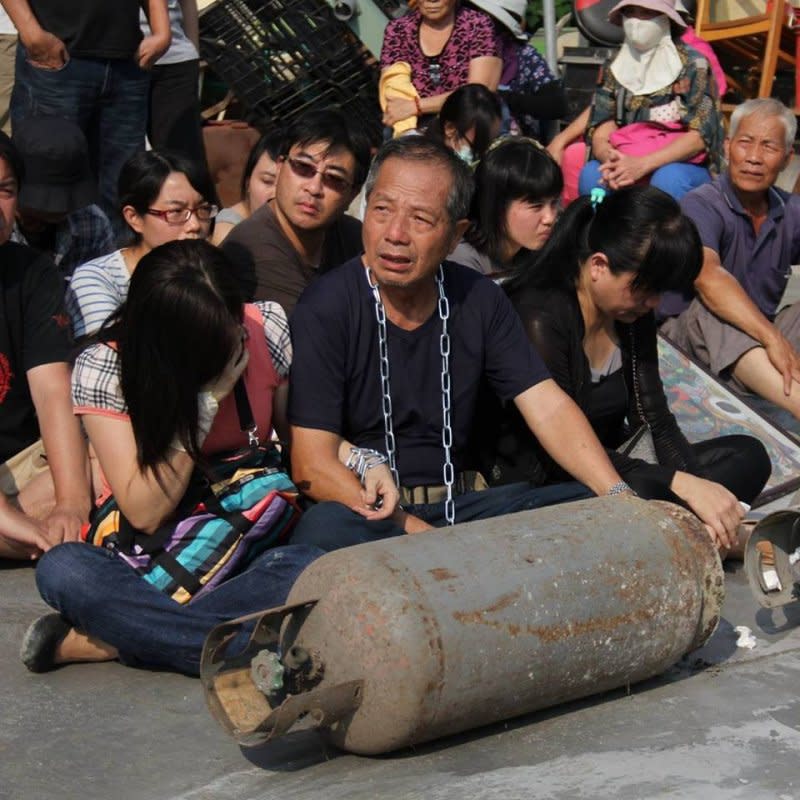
(307, 170)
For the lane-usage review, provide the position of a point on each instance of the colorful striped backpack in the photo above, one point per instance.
(242, 505)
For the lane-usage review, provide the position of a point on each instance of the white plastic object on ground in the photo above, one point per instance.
(746, 638)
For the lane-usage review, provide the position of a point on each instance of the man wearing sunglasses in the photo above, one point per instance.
(304, 230)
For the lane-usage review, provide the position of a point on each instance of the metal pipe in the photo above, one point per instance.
(401, 641)
(550, 35)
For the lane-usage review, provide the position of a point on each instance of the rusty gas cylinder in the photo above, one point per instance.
(400, 641)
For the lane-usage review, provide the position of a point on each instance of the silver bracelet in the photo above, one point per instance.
(363, 459)
(620, 488)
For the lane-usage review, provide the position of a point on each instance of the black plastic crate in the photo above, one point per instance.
(283, 57)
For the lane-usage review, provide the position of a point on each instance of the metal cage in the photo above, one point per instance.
(283, 57)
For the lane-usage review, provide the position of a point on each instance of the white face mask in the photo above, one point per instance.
(645, 34)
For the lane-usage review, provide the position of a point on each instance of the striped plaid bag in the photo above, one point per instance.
(247, 505)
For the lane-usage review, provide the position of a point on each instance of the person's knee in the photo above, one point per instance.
(292, 557)
(676, 179)
(589, 177)
(64, 572)
(330, 526)
(669, 179)
(322, 526)
(758, 465)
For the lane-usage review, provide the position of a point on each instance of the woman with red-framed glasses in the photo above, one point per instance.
(163, 197)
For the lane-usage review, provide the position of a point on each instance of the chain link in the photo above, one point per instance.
(448, 472)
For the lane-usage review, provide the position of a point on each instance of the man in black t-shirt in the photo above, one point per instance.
(390, 353)
(304, 230)
(85, 60)
(44, 484)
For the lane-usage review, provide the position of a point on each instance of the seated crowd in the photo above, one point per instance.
(466, 350)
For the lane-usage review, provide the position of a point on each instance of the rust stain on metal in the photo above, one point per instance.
(442, 574)
(555, 633)
(478, 616)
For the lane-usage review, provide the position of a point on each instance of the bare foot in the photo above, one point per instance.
(79, 647)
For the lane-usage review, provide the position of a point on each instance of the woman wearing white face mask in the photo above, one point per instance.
(655, 115)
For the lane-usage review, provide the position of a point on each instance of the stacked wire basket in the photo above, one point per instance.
(284, 57)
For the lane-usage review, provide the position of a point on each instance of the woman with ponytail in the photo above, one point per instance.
(587, 304)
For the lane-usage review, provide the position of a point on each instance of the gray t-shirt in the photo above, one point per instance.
(468, 256)
(181, 48)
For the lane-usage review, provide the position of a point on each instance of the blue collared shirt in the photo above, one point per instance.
(762, 261)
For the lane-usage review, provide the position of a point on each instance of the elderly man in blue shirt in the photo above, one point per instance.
(750, 231)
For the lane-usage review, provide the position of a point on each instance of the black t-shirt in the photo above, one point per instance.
(335, 379)
(92, 28)
(34, 330)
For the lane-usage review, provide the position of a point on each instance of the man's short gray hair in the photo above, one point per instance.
(422, 149)
(765, 107)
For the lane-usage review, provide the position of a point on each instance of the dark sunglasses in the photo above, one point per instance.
(435, 72)
(307, 170)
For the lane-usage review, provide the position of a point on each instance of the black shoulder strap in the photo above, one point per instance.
(622, 96)
(243, 408)
(245, 413)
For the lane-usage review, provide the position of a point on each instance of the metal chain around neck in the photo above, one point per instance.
(448, 472)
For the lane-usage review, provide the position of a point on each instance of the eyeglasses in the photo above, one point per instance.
(435, 72)
(307, 170)
(180, 216)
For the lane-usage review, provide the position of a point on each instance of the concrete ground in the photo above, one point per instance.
(724, 723)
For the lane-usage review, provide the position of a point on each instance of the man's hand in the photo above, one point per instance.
(398, 108)
(713, 504)
(784, 358)
(621, 170)
(379, 485)
(151, 48)
(64, 524)
(46, 51)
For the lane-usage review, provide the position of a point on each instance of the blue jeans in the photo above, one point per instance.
(96, 592)
(108, 101)
(330, 526)
(675, 179)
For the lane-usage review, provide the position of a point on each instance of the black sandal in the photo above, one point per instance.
(44, 635)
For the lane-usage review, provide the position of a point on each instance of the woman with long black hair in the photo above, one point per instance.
(154, 390)
(587, 304)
